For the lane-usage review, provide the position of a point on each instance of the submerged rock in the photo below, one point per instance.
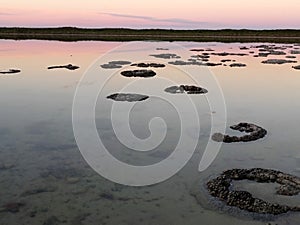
(10, 71)
(12, 207)
(296, 67)
(188, 89)
(255, 133)
(115, 64)
(278, 61)
(166, 56)
(222, 188)
(154, 65)
(138, 73)
(38, 190)
(237, 65)
(126, 97)
(69, 67)
(52, 220)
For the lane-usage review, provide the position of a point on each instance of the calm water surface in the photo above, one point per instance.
(42, 167)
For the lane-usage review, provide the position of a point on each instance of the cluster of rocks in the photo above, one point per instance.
(145, 65)
(115, 64)
(222, 188)
(10, 71)
(255, 133)
(188, 89)
(126, 97)
(69, 67)
(138, 73)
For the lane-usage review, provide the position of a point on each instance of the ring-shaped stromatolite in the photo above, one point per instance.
(254, 133)
(222, 188)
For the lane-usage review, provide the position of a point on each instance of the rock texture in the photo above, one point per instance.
(69, 67)
(115, 64)
(166, 56)
(138, 73)
(145, 65)
(278, 61)
(10, 71)
(254, 133)
(237, 65)
(188, 89)
(296, 67)
(126, 97)
(221, 188)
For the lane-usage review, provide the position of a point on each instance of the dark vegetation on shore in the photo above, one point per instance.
(123, 34)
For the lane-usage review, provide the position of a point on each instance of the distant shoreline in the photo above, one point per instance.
(111, 34)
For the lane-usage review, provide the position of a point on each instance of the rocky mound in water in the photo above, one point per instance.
(166, 56)
(255, 133)
(228, 53)
(295, 52)
(138, 73)
(115, 64)
(154, 65)
(127, 97)
(69, 67)
(188, 89)
(192, 62)
(237, 65)
(197, 50)
(222, 188)
(278, 61)
(10, 71)
(296, 67)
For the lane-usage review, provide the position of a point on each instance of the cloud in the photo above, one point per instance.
(173, 21)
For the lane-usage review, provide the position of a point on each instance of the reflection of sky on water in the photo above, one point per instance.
(36, 126)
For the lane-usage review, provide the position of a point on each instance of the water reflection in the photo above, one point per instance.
(39, 154)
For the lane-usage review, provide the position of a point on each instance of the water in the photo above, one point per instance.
(44, 169)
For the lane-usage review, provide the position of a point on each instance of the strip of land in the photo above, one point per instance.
(110, 34)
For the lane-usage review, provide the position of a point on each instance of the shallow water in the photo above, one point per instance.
(43, 168)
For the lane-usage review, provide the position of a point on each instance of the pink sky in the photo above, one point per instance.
(187, 14)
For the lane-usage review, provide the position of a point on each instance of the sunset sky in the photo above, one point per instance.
(176, 14)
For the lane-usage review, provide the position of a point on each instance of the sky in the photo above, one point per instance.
(174, 14)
